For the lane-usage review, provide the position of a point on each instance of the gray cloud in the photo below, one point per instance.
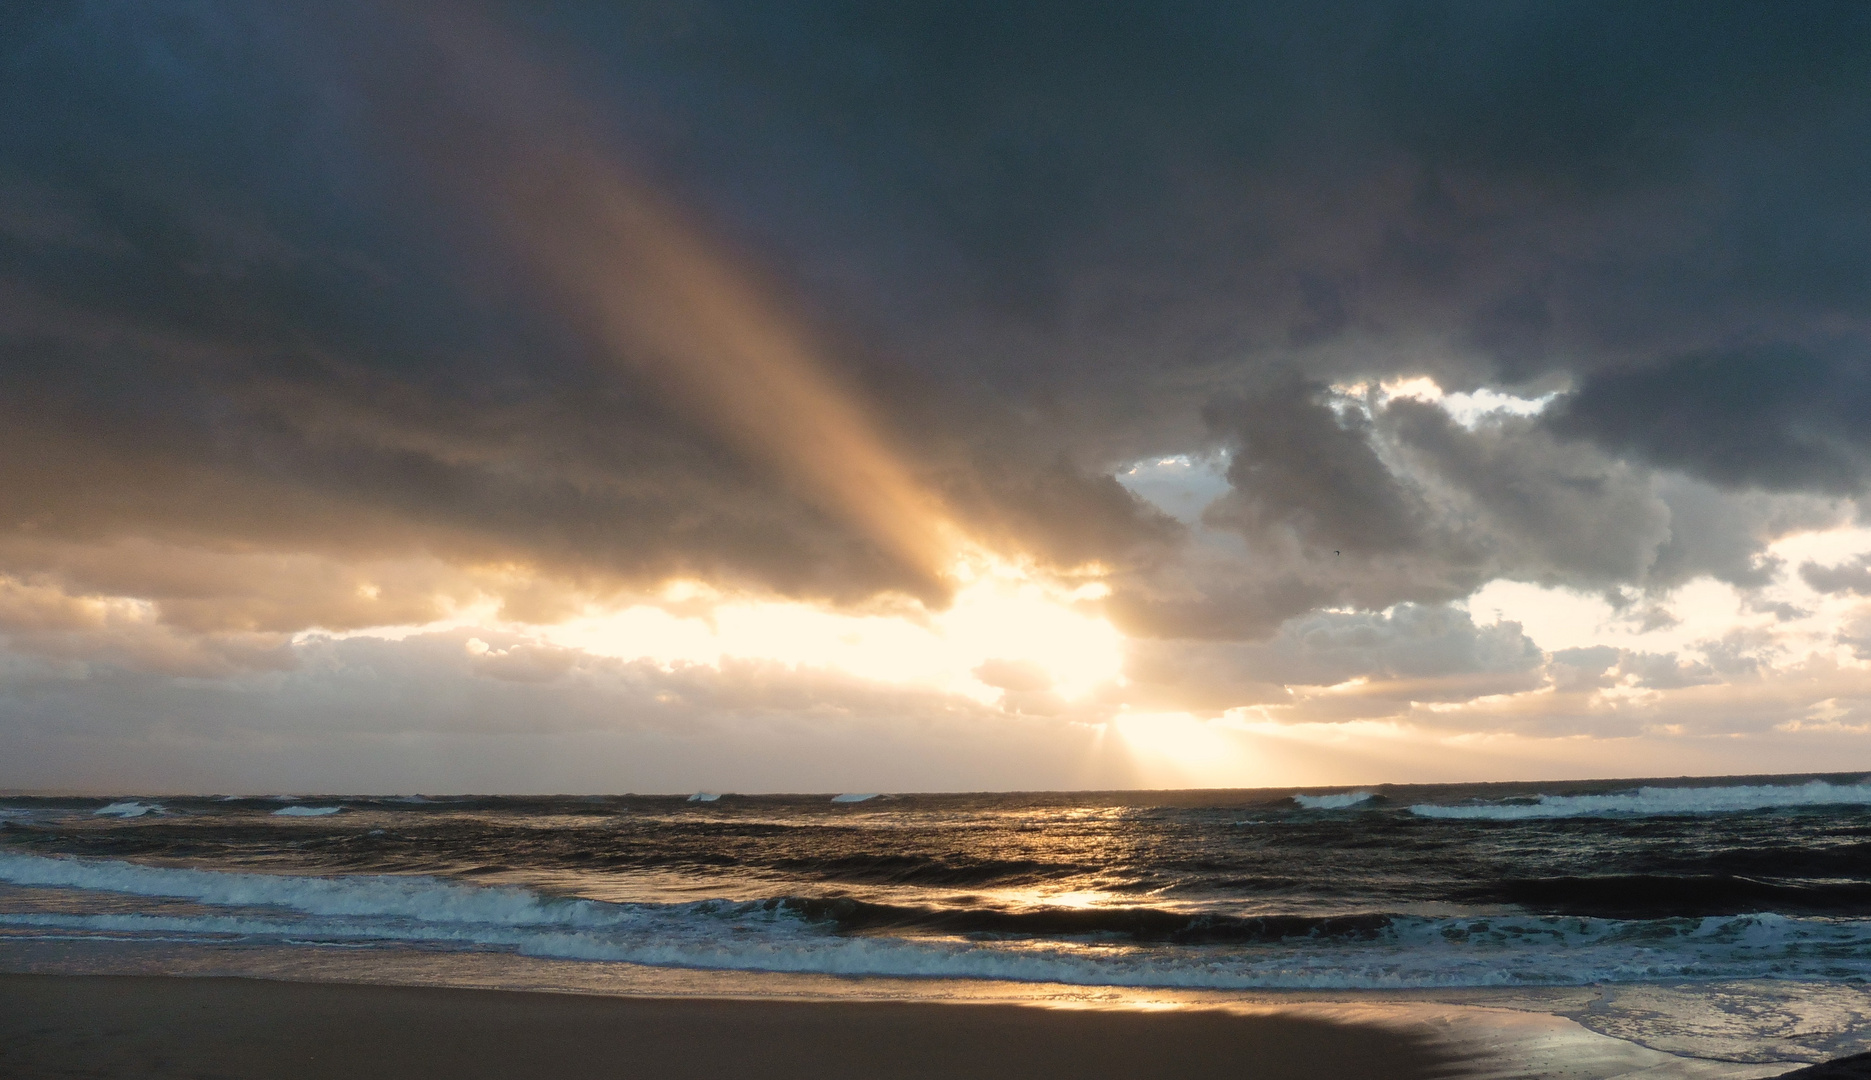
(1852, 576)
(1551, 514)
(1583, 669)
(1724, 533)
(1411, 653)
(1664, 671)
(1599, 667)
(1309, 468)
(1345, 500)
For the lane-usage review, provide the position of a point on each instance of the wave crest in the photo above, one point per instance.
(1333, 802)
(1659, 801)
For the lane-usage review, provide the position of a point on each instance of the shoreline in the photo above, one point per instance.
(175, 1026)
(56, 1024)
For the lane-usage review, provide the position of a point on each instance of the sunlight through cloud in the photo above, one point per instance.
(1003, 612)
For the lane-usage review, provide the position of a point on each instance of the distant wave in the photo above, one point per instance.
(1332, 802)
(1660, 801)
(306, 811)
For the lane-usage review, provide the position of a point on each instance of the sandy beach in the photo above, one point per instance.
(115, 1026)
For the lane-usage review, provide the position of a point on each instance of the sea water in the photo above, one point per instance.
(1730, 917)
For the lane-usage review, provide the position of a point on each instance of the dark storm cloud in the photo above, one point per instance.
(258, 292)
(1779, 417)
(1536, 186)
(240, 317)
(1115, 219)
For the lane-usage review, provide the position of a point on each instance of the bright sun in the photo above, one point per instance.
(1009, 625)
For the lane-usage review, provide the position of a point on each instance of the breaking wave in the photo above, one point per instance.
(1659, 801)
(127, 809)
(1333, 802)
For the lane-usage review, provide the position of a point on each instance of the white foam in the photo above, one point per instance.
(1662, 800)
(128, 809)
(306, 811)
(703, 796)
(413, 897)
(1332, 802)
(850, 797)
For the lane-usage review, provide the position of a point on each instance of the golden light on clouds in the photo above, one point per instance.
(1019, 638)
(684, 315)
(666, 300)
(676, 308)
(1008, 629)
(1800, 618)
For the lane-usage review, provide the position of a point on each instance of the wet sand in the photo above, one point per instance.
(1856, 1067)
(125, 1026)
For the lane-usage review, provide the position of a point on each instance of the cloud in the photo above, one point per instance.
(1308, 468)
(320, 320)
(1549, 513)
(1654, 671)
(1724, 533)
(1853, 576)
(1780, 417)
(1602, 667)
(82, 634)
(1410, 653)
(431, 713)
(1344, 498)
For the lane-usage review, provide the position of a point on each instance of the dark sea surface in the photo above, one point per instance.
(1615, 882)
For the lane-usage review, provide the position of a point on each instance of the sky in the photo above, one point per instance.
(814, 395)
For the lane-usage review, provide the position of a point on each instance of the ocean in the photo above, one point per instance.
(1729, 918)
